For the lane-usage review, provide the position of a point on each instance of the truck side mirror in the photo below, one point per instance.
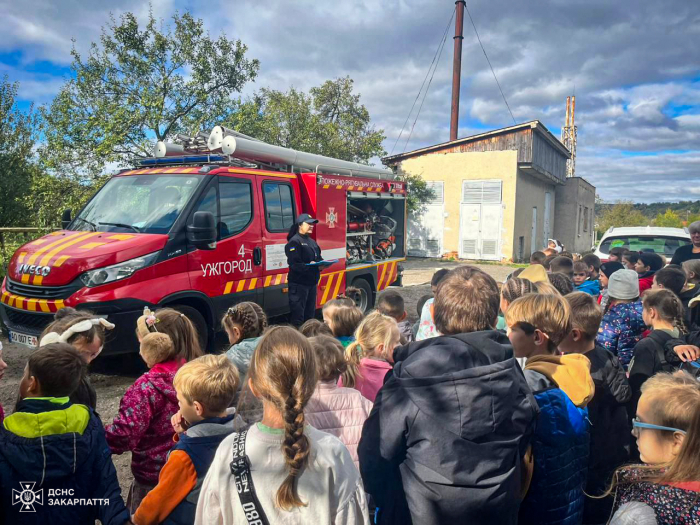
(66, 218)
(202, 232)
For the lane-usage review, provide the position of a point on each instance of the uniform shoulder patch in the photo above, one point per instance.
(292, 249)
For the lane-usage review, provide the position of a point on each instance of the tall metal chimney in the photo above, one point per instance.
(457, 68)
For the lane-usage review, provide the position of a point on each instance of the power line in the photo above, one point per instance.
(430, 82)
(435, 56)
(487, 60)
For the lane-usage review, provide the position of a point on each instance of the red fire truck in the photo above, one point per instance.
(203, 226)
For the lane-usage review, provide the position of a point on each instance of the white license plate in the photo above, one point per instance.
(23, 339)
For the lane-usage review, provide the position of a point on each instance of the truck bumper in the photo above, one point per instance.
(122, 313)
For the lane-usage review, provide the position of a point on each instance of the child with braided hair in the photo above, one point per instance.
(662, 311)
(244, 324)
(511, 290)
(315, 477)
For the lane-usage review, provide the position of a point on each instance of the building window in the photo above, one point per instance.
(585, 219)
(579, 217)
(438, 188)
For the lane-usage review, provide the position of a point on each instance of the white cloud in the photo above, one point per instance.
(632, 69)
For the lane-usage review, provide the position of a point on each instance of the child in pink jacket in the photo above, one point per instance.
(143, 423)
(370, 357)
(334, 409)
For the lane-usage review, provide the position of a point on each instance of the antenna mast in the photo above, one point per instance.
(569, 135)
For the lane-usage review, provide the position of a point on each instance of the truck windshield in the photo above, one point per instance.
(666, 246)
(138, 203)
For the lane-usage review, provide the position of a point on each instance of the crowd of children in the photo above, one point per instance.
(565, 395)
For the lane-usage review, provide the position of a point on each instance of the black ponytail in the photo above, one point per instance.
(292, 231)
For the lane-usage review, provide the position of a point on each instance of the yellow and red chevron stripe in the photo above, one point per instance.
(31, 305)
(253, 283)
(386, 274)
(56, 248)
(50, 254)
(330, 285)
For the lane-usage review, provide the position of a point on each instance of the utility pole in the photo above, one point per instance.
(457, 67)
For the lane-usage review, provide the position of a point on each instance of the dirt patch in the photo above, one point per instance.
(418, 273)
(111, 376)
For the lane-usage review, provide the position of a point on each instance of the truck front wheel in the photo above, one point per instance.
(365, 298)
(200, 324)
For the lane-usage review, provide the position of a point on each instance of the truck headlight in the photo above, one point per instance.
(117, 271)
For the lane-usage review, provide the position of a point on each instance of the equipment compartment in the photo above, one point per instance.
(376, 225)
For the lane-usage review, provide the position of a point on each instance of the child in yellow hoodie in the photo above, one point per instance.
(562, 386)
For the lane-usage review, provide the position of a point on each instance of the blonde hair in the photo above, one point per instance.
(548, 313)
(344, 319)
(547, 288)
(283, 372)
(176, 325)
(210, 380)
(674, 400)
(375, 329)
(157, 348)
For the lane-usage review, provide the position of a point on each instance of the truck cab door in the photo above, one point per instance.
(280, 202)
(231, 272)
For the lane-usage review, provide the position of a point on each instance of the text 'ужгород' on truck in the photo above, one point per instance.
(201, 227)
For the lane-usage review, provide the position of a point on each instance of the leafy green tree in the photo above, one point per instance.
(621, 214)
(689, 218)
(669, 219)
(329, 120)
(142, 83)
(18, 133)
(418, 194)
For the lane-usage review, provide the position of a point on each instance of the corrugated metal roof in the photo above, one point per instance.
(535, 125)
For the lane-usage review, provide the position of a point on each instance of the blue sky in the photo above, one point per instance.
(636, 72)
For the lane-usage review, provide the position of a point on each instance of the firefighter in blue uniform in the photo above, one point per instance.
(301, 252)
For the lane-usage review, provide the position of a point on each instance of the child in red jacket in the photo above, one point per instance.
(143, 423)
(646, 266)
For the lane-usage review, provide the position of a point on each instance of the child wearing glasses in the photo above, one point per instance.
(562, 386)
(666, 490)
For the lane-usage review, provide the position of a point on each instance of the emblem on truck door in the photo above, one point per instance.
(331, 217)
(33, 269)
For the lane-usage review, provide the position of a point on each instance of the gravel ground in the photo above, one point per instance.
(111, 376)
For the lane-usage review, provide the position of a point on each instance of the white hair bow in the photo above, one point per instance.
(82, 326)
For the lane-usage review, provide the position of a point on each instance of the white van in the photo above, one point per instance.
(664, 241)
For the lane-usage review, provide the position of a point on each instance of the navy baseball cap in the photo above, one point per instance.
(308, 219)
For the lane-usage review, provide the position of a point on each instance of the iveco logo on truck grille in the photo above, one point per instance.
(34, 269)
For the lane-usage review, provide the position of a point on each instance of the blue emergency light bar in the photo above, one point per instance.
(186, 159)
